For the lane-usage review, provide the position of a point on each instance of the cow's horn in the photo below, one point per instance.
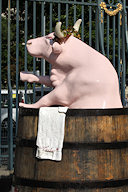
(77, 25)
(58, 32)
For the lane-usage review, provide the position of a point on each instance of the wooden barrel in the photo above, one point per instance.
(95, 153)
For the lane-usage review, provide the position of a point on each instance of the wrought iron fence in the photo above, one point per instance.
(104, 27)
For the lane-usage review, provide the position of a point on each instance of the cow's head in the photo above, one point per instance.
(43, 47)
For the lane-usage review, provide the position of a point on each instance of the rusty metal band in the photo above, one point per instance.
(28, 112)
(79, 112)
(67, 184)
(76, 145)
(96, 112)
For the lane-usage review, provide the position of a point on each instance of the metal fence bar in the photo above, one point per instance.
(90, 24)
(42, 33)
(102, 28)
(108, 25)
(50, 28)
(59, 11)
(82, 27)
(17, 61)
(34, 35)
(0, 70)
(74, 12)
(101, 40)
(119, 56)
(6, 146)
(25, 54)
(67, 2)
(67, 14)
(126, 31)
(10, 127)
(96, 31)
(123, 54)
(113, 56)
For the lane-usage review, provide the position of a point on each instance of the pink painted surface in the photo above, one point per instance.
(81, 76)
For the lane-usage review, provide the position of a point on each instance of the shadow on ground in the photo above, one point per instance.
(5, 184)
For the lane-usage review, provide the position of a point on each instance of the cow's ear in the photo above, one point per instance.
(56, 48)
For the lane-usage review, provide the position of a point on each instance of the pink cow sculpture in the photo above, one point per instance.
(81, 76)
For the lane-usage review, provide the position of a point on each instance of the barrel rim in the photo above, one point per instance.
(87, 184)
(21, 142)
(79, 112)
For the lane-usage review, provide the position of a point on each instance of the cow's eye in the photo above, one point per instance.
(51, 41)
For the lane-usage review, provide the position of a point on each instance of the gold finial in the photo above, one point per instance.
(111, 13)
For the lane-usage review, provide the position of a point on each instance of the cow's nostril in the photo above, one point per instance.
(29, 43)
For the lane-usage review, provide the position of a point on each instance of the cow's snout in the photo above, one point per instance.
(29, 42)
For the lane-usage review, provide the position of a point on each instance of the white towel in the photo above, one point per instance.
(50, 134)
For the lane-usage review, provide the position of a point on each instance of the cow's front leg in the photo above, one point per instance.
(59, 96)
(31, 78)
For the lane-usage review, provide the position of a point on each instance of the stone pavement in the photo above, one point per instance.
(5, 172)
